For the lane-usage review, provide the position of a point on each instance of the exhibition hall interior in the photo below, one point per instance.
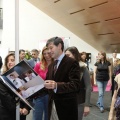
(91, 26)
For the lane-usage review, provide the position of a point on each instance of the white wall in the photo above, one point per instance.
(35, 26)
(109, 55)
(1, 5)
(1, 35)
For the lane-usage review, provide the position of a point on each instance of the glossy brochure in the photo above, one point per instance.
(16, 93)
(24, 79)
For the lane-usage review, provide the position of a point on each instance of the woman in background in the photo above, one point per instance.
(102, 73)
(83, 57)
(85, 90)
(7, 102)
(9, 63)
(41, 102)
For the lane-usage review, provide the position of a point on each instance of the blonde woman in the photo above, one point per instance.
(41, 102)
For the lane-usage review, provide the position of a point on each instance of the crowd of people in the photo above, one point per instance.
(67, 87)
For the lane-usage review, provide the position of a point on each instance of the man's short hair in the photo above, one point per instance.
(56, 41)
(29, 72)
(35, 50)
(21, 50)
(12, 75)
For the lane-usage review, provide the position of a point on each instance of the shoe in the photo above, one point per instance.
(98, 105)
(101, 109)
(108, 109)
(90, 105)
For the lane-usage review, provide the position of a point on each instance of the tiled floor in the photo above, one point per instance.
(95, 113)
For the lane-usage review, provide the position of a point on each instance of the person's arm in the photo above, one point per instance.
(24, 109)
(7, 99)
(112, 110)
(66, 87)
(86, 78)
(95, 71)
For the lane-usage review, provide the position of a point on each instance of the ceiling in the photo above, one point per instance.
(97, 22)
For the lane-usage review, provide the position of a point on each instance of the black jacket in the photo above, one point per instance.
(7, 103)
(67, 77)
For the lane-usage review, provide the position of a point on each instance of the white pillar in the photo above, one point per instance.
(17, 31)
(17, 46)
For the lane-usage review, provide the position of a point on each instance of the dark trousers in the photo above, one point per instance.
(113, 85)
(22, 117)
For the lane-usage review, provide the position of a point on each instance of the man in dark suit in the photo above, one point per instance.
(21, 55)
(63, 84)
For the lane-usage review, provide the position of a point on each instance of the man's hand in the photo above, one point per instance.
(50, 84)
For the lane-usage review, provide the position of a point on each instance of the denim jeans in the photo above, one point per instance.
(101, 89)
(41, 107)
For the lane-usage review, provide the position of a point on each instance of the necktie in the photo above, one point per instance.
(55, 66)
(35, 61)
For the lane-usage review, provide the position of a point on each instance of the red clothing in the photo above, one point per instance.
(39, 71)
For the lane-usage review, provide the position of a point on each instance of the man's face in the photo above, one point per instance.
(34, 55)
(114, 55)
(12, 76)
(28, 75)
(22, 55)
(54, 50)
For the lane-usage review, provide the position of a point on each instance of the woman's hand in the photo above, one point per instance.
(110, 82)
(86, 111)
(95, 83)
(23, 111)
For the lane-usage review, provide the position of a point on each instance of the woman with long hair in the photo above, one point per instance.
(85, 89)
(114, 113)
(102, 73)
(7, 101)
(8, 64)
(41, 102)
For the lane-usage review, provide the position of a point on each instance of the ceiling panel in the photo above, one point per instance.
(97, 22)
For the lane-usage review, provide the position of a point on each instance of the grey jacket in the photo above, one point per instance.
(85, 92)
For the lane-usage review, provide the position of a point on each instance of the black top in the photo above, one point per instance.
(7, 103)
(102, 71)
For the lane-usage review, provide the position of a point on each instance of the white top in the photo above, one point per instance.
(17, 82)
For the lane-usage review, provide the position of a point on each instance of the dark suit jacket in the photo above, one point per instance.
(31, 62)
(68, 83)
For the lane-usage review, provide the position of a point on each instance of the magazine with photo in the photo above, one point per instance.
(24, 79)
(16, 93)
